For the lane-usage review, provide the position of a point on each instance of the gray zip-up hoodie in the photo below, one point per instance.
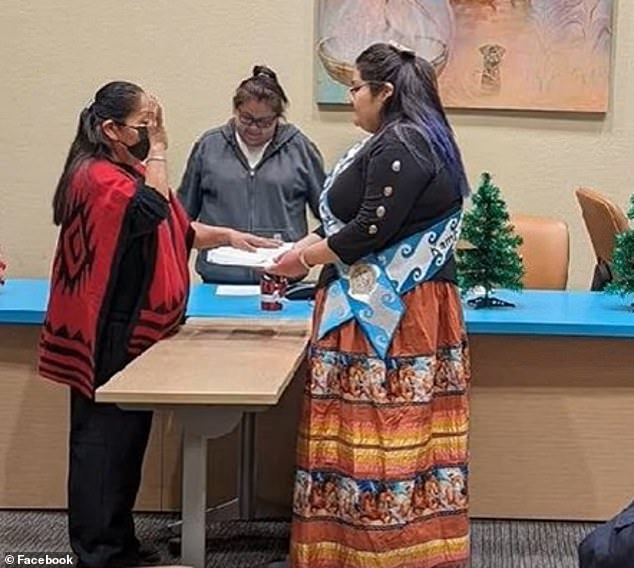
(219, 188)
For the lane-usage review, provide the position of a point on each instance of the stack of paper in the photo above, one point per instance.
(259, 258)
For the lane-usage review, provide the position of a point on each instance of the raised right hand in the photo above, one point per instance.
(156, 126)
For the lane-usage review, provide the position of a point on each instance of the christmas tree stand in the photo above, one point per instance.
(488, 302)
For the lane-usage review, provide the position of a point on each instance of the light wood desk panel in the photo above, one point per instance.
(551, 427)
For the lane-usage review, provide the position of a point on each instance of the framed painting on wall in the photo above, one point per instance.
(547, 55)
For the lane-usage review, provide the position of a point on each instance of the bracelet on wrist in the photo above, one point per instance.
(303, 261)
(156, 159)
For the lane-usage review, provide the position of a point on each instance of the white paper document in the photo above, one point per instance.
(258, 259)
(237, 290)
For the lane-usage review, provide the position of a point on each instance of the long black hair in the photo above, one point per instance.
(262, 86)
(114, 101)
(414, 108)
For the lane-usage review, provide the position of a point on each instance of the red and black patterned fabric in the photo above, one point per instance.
(88, 271)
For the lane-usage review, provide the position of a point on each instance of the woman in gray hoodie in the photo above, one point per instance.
(256, 173)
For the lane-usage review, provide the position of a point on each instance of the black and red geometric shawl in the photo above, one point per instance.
(85, 268)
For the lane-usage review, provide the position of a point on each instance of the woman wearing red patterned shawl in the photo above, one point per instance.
(119, 284)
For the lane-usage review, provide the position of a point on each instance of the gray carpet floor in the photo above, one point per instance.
(495, 544)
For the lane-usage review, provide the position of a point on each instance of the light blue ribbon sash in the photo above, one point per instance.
(370, 290)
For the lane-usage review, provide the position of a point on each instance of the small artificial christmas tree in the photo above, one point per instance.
(623, 260)
(491, 259)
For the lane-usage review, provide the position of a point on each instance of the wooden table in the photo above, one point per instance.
(211, 374)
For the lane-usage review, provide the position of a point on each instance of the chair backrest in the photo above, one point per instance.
(545, 251)
(604, 220)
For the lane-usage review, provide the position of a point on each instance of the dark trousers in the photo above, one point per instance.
(107, 447)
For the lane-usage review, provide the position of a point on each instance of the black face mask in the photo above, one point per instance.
(141, 149)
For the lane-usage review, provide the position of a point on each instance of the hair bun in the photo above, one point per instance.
(264, 71)
(402, 50)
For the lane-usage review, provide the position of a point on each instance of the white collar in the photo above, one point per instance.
(253, 156)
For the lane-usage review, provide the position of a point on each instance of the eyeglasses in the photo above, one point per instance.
(134, 126)
(263, 122)
(355, 88)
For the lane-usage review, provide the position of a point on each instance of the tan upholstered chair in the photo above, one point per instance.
(604, 220)
(545, 251)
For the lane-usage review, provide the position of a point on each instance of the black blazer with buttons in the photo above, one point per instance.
(386, 195)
